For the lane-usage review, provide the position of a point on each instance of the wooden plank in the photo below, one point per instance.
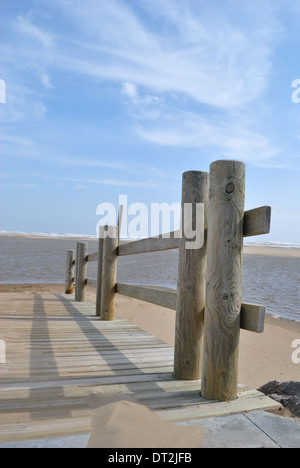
(91, 282)
(92, 257)
(166, 241)
(65, 354)
(153, 295)
(253, 317)
(220, 408)
(257, 221)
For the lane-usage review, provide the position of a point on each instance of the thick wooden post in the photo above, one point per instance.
(81, 269)
(69, 284)
(99, 271)
(191, 280)
(224, 280)
(109, 274)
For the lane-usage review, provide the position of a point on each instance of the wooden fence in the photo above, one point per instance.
(209, 311)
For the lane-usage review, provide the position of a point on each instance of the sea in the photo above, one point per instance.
(271, 281)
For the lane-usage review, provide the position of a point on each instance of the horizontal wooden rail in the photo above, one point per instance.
(93, 257)
(252, 316)
(151, 244)
(91, 282)
(256, 222)
(161, 297)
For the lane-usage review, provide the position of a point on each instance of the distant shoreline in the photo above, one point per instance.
(262, 250)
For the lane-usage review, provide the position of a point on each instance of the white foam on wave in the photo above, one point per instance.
(280, 244)
(285, 245)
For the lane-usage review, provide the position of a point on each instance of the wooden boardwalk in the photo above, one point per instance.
(58, 353)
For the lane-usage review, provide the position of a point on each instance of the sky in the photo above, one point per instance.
(102, 98)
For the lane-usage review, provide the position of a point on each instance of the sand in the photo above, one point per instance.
(121, 421)
(271, 251)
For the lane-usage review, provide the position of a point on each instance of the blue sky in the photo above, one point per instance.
(112, 97)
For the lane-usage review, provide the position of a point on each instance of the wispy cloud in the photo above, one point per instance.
(25, 25)
(218, 58)
(221, 135)
(212, 59)
(83, 182)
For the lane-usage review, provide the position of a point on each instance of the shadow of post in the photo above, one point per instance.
(43, 366)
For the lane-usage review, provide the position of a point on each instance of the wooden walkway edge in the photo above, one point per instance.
(58, 353)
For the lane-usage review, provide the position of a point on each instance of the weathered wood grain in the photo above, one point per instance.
(153, 295)
(151, 244)
(253, 317)
(81, 271)
(224, 280)
(257, 221)
(109, 274)
(191, 279)
(70, 263)
(99, 270)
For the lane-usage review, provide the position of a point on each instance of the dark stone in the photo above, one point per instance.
(286, 393)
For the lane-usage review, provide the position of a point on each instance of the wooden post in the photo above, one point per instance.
(99, 271)
(224, 280)
(69, 284)
(81, 268)
(191, 282)
(120, 217)
(109, 274)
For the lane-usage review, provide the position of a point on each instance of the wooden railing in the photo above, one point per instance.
(209, 285)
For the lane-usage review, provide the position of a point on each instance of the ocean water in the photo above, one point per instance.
(269, 281)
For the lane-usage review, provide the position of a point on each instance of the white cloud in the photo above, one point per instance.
(130, 90)
(222, 136)
(210, 58)
(25, 26)
(45, 79)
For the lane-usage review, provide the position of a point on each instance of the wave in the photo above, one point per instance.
(48, 234)
(279, 244)
(66, 235)
(285, 245)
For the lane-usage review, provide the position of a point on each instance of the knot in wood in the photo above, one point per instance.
(229, 188)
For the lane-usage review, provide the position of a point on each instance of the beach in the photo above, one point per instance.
(271, 275)
(262, 357)
(35, 266)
